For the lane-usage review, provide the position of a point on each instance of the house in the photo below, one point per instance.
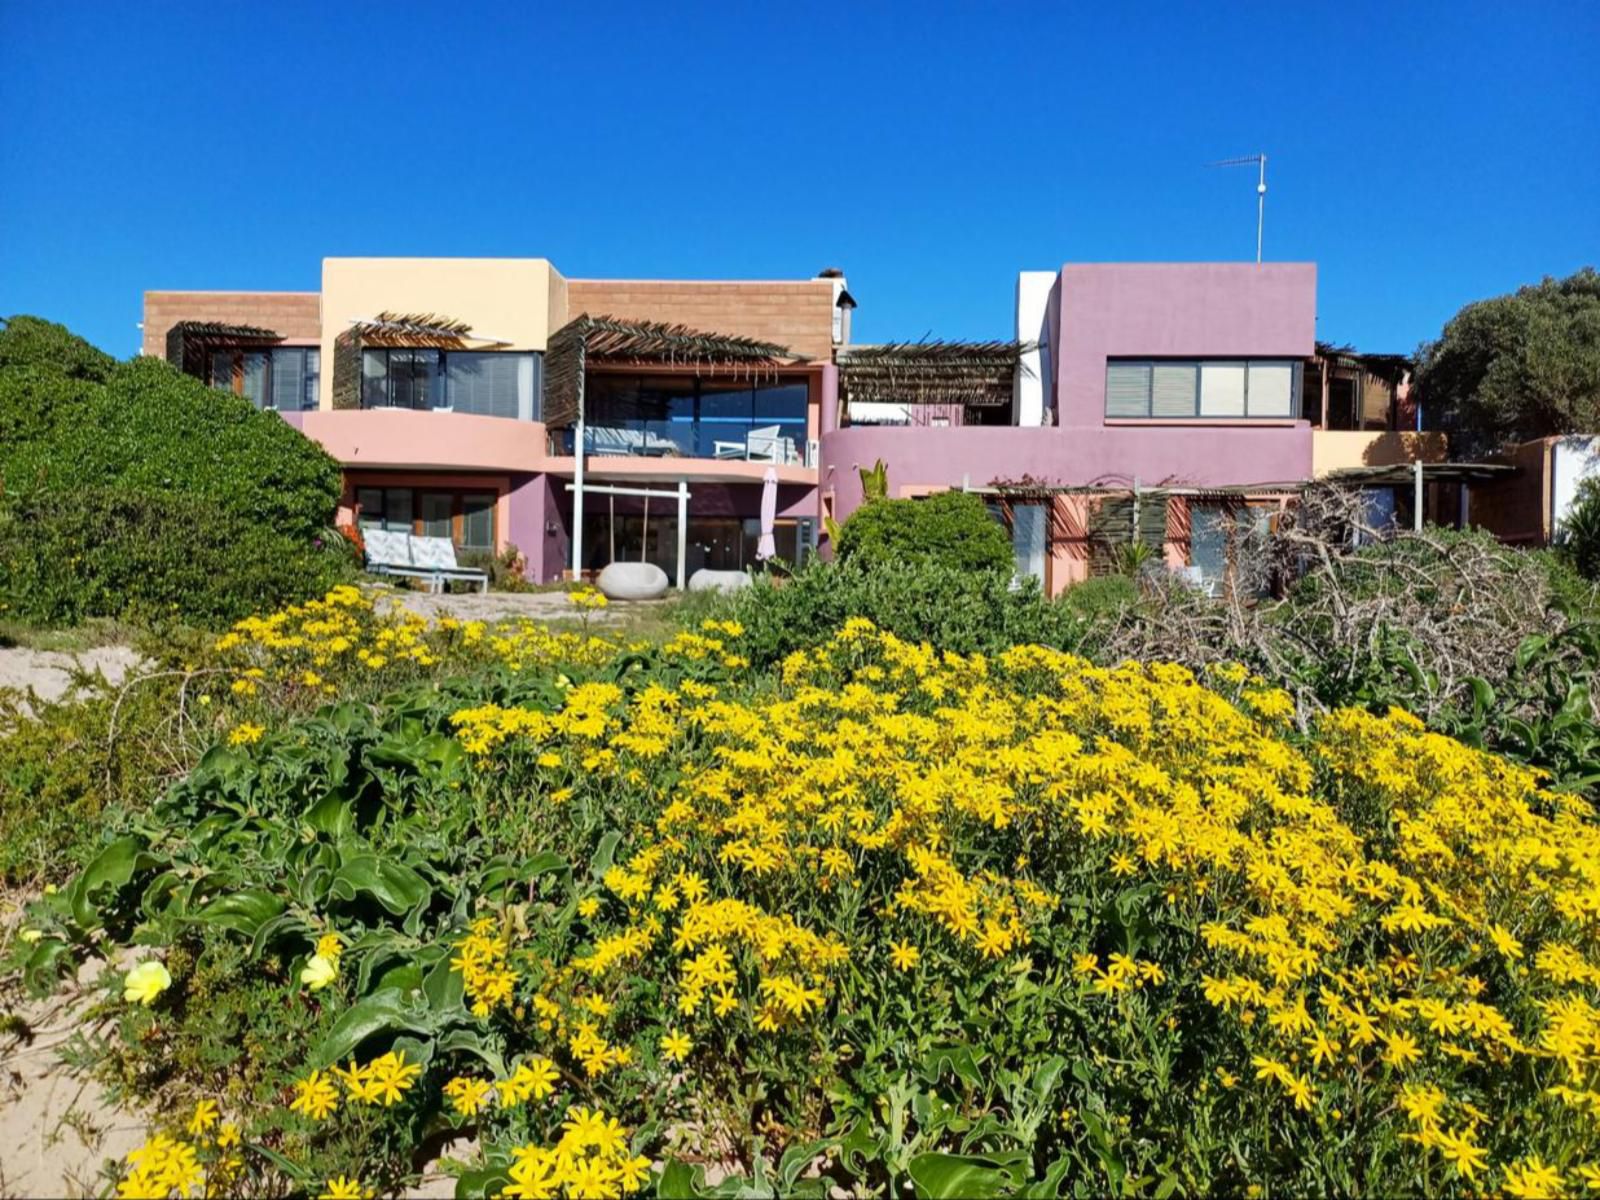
(499, 403)
(1142, 402)
(449, 391)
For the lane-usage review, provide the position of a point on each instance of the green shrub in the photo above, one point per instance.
(918, 600)
(1103, 596)
(100, 552)
(131, 486)
(949, 528)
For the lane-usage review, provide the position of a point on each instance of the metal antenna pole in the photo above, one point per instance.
(1261, 206)
(1260, 162)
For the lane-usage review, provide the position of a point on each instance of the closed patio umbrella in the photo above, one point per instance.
(766, 547)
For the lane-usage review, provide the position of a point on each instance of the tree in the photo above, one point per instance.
(1517, 367)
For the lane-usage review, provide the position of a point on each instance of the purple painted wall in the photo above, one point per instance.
(1175, 310)
(1113, 310)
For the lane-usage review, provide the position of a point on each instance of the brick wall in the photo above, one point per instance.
(296, 316)
(797, 314)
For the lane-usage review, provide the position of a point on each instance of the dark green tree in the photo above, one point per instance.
(950, 529)
(1517, 367)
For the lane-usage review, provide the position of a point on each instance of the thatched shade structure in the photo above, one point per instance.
(190, 343)
(615, 341)
(964, 374)
(387, 329)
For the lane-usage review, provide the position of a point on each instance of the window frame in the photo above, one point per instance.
(237, 357)
(1197, 366)
(440, 398)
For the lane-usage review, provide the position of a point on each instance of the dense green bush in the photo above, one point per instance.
(949, 528)
(151, 556)
(954, 608)
(131, 487)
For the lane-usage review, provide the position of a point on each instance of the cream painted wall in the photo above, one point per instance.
(501, 298)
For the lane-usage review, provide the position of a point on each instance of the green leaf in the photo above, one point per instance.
(244, 912)
(444, 987)
(385, 1011)
(605, 854)
(112, 867)
(957, 1177)
(394, 885)
(958, 1060)
(678, 1182)
(331, 816)
(483, 1181)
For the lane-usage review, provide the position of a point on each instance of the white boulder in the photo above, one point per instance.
(632, 581)
(707, 580)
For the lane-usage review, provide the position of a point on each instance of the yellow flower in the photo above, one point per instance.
(330, 947)
(316, 1096)
(675, 1047)
(319, 972)
(245, 734)
(468, 1095)
(904, 955)
(588, 906)
(228, 1135)
(145, 982)
(342, 1187)
(205, 1116)
(1532, 1179)
(30, 936)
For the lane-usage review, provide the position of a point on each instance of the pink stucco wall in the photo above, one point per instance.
(1116, 310)
(1175, 310)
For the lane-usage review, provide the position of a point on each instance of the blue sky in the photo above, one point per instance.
(1423, 156)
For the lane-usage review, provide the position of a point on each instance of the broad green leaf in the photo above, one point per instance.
(958, 1060)
(678, 1182)
(394, 885)
(244, 911)
(443, 987)
(112, 867)
(484, 1181)
(957, 1177)
(383, 1012)
(331, 816)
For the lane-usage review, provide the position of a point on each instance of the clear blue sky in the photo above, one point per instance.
(1423, 156)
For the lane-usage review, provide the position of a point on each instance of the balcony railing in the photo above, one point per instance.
(775, 444)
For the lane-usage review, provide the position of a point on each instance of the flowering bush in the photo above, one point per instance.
(998, 925)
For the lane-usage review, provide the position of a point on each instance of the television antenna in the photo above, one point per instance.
(1252, 160)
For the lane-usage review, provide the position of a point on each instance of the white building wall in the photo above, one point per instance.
(1033, 388)
(1572, 460)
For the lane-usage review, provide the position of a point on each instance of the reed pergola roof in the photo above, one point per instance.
(616, 341)
(970, 374)
(188, 342)
(411, 329)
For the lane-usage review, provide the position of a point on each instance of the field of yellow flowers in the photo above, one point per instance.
(636, 919)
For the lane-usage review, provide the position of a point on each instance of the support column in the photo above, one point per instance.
(683, 531)
(1416, 499)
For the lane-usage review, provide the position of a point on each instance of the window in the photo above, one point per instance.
(385, 508)
(704, 418)
(483, 383)
(1214, 388)
(438, 509)
(466, 518)
(477, 522)
(284, 378)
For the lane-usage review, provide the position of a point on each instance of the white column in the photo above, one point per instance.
(1030, 388)
(683, 530)
(1416, 499)
(577, 482)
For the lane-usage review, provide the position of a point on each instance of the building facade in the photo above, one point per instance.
(466, 397)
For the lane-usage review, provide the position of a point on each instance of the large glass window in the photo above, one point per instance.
(484, 383)
(706, 417)
(720, 543)
(466, 518)
(1220, 389)
(284, 377)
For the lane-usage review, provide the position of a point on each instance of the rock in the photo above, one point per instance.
(632, 581)
(707, 580)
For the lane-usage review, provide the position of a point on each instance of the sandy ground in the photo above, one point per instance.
(55, 1129)
(536, 606)
(48, 673)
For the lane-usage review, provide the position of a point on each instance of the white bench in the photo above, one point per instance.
(431, 559)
